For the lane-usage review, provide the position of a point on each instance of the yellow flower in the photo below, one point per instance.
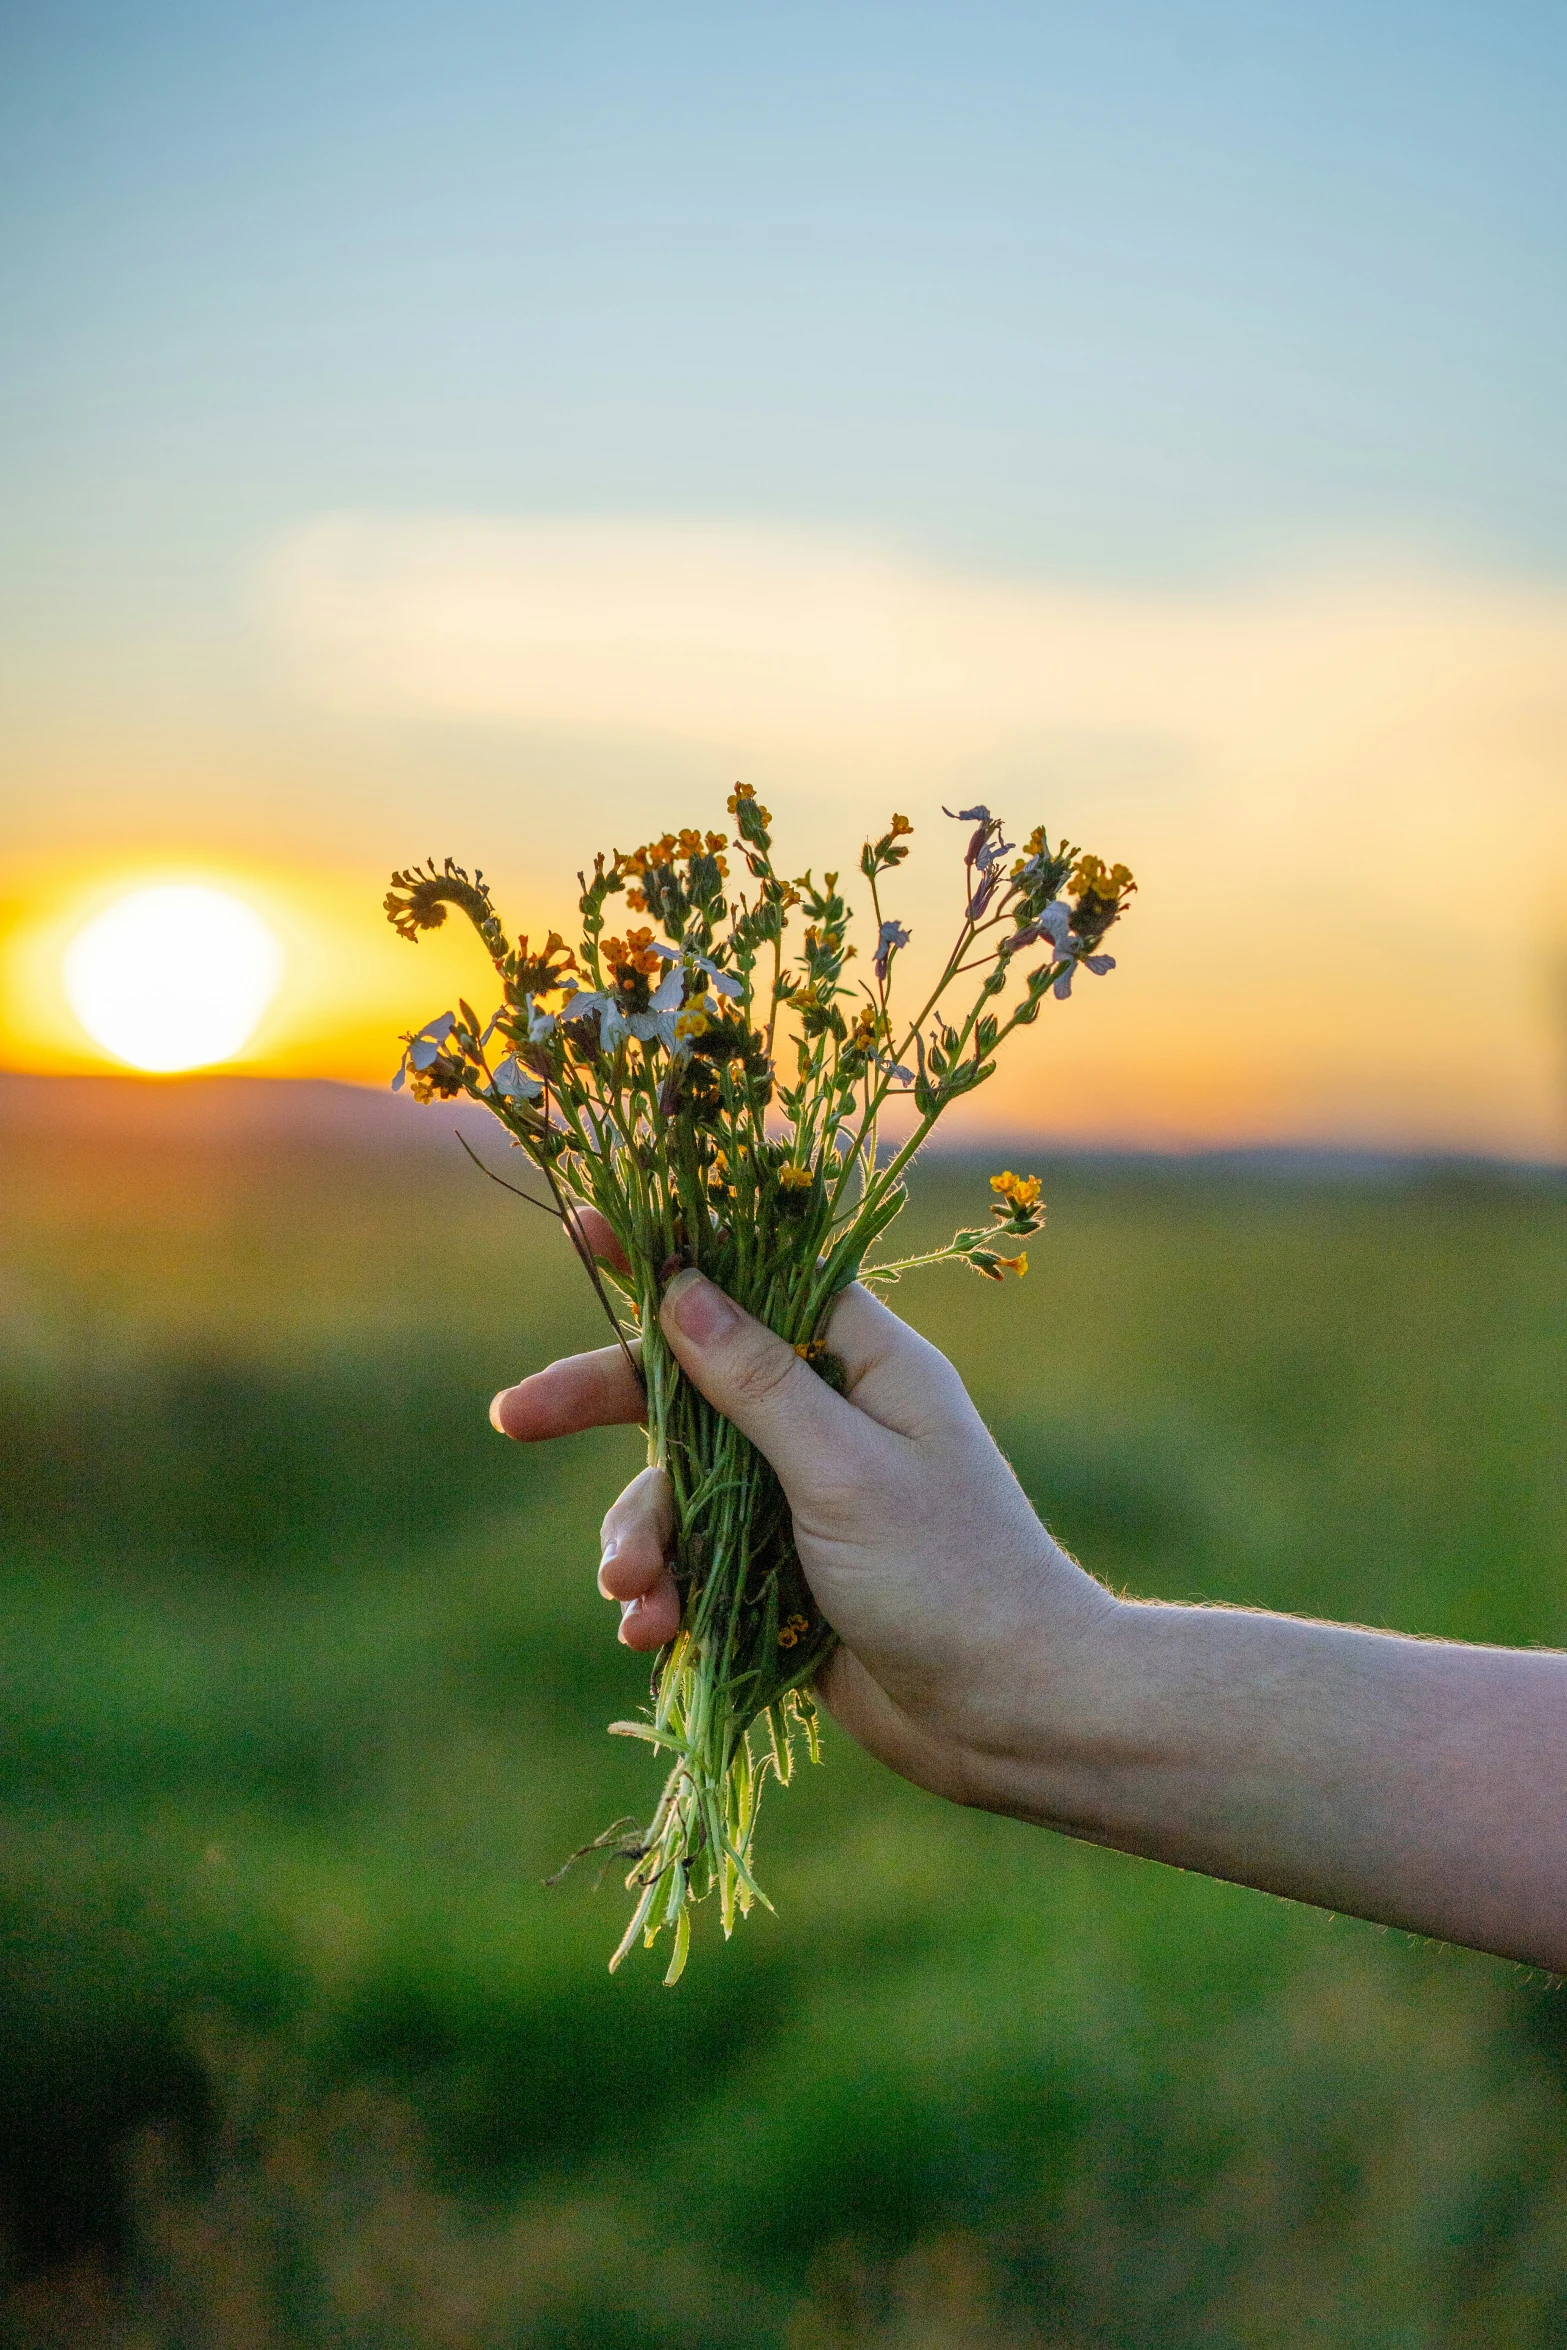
(1092, 877)
(692, 1023)
(795, 1179)
(1020, 1191)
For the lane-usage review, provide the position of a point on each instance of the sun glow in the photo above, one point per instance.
(173, 977)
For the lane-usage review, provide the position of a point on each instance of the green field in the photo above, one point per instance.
(304, 1690)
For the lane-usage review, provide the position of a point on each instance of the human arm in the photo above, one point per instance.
(1418, 1783)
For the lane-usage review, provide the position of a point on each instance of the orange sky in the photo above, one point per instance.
(1343, 796)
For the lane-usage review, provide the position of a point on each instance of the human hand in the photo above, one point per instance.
(954, 1607)
(1414, 1782)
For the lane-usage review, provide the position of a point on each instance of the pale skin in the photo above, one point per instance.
(1419, 1783)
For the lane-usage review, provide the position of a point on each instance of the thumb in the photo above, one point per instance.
(755, 1379)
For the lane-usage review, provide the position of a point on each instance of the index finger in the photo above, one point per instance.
(581, 1391)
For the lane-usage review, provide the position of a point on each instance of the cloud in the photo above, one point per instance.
(704, 632)
(1344, 791)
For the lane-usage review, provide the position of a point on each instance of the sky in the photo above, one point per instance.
(496, 429)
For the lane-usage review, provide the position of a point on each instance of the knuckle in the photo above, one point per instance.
(763, 1365)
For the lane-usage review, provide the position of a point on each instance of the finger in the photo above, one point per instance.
(638, 1529)
(756, 1379)
(893, 1374)
(866, 1335)
(581, 1391)
(648, 1622)
(636, 1535)
(599, 1234)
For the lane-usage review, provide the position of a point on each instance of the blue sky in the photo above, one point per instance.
(1142, 290)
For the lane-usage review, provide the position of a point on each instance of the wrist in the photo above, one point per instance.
(1040, 1707)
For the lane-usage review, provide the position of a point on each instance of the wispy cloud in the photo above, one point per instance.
(1347, 790)
(704, 632)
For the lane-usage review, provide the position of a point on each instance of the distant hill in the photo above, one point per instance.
(225, 1112)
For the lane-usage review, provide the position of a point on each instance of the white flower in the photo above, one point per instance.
(614, 1027)
(724, 982)
(889, 938)
(1097, 964)
(657, 1023)
(515, 1082)
(1055, 923)
(424, 1046)
(541, 1025)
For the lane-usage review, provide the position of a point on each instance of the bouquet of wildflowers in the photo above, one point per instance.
(713, 1084)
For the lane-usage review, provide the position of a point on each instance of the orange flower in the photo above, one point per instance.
(632, 956)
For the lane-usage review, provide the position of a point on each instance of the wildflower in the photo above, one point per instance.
(424, 1044)
(795, 1178)
(515, 1082)
(1056, 922)
(880, 856)
(540, 971)
(692, 1022)
(1018, 1191)
(633, 957)
(724, 982)
(891, 936)
(614, 1027)
(751, 819)
(1091, 877)
(659, 1023)
(1061, 987)
(986, 860)
(418, 899)
(995, 1267)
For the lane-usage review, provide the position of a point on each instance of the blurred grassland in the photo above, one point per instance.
(304, 1691)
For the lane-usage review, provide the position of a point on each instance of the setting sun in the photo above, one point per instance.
(174, 977)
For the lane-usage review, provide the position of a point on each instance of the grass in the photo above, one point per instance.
(305, 1691)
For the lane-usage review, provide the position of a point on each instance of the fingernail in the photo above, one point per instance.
(607, 1548)
(702, 1312)
(496, 1422)
(628, 1608)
